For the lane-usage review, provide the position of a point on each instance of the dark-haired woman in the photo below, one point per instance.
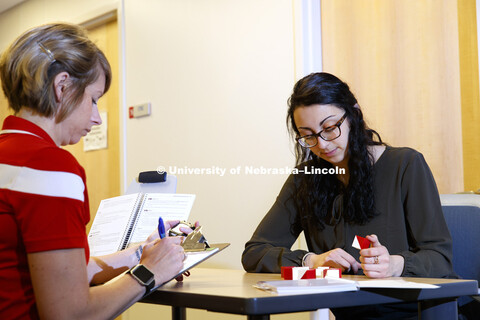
(386, 194)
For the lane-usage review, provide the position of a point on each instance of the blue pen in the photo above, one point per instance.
(161, 228)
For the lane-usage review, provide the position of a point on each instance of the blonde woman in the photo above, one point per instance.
(53, 77)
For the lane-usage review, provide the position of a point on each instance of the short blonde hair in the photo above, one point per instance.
(29, 66)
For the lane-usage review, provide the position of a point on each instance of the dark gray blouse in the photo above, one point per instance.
(410, 223)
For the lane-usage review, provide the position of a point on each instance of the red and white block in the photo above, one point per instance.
(361, 243)
(296, 273)
(332, 273)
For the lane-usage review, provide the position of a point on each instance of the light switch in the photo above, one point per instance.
(140, 110)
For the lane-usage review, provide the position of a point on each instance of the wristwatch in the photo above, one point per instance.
(144, 276)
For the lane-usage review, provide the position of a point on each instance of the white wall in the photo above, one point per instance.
(218, 75)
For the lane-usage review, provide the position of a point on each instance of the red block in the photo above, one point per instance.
(286, 272)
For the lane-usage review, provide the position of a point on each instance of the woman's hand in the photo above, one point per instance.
(336, 258)
(378, 263)
(168, 225)
(187, 230)
(164, 257)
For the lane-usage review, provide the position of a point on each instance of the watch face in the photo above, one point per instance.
(143, 274)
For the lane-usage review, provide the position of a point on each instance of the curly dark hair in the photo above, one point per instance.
(315, 193)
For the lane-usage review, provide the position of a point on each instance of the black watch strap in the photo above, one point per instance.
(149, 287)
(144, 276)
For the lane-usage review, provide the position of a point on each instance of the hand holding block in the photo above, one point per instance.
(361, 243)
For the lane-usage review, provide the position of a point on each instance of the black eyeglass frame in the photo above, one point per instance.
(319, 134)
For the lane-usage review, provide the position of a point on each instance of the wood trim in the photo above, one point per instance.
(469, 92)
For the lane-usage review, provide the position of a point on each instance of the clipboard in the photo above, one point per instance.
(194, 258)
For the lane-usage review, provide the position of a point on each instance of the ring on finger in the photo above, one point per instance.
(375, 260)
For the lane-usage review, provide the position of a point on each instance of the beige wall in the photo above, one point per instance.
(218, 77)
(218, 74)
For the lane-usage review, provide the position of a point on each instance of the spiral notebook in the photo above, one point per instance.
(131, 218)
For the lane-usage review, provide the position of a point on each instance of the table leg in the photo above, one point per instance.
(179, 313)
(259, 317)
(438, 309)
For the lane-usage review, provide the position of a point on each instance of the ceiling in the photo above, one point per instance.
(7, 4)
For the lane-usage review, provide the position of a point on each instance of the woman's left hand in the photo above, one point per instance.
(187, 230)
(377, 261)
(168, 225)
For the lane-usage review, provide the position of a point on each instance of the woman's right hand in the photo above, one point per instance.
(164, 257)
(336, 258)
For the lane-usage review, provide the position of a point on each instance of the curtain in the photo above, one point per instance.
(401, 60)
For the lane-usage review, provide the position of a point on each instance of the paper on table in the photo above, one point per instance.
(304, 286)
(336, 285)
(390, 283)
(394, 283)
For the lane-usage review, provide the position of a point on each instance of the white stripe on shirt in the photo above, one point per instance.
(41, 182)
(18, 131)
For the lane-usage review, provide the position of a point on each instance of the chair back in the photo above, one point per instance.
(462, 214)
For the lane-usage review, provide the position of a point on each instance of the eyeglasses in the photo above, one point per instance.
(327, 134)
